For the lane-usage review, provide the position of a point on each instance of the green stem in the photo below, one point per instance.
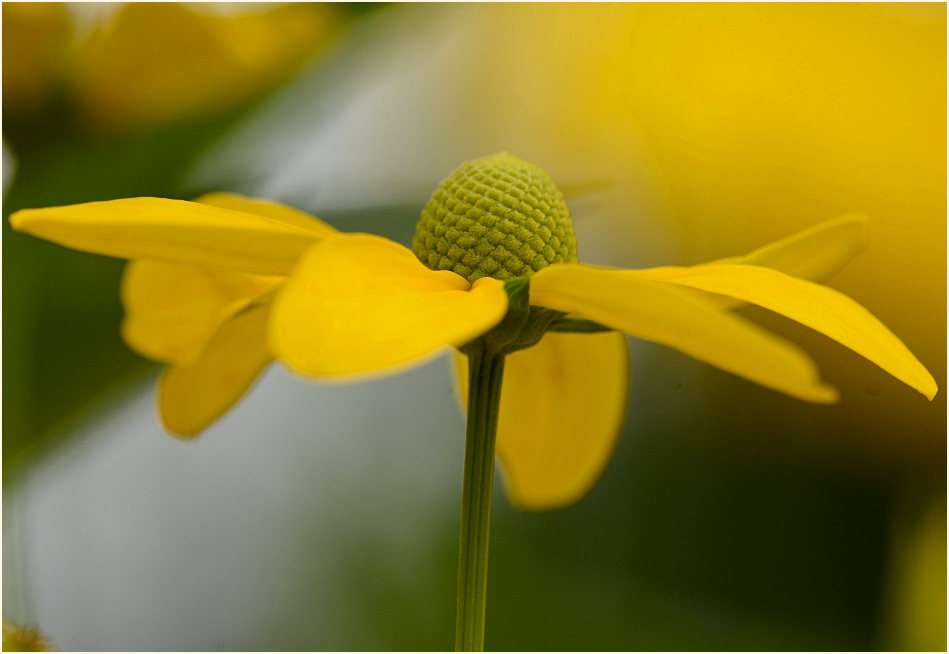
(484, 397)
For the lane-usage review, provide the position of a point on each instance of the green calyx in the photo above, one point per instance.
(496, 216)
(522, 327)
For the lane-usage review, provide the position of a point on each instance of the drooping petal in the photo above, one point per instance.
(662, 313)
(173, 309)
(821, 308)
(192, 397)
(563, 403)
(171, 230)
(269, 209)
(360, 304)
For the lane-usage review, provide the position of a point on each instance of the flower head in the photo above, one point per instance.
(219, 287)
(497, 216)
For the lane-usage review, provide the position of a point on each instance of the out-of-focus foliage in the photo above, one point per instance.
(34, 39)
(918, 595)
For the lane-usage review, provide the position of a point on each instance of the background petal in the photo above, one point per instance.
(358, 304)
(171, 230)
(661, 313)
(563, 403)
(173, 309)
(816, 253)
(821, 308)
(192, 397)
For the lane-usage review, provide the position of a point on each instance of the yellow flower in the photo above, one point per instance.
(219, 287)
(140, 65)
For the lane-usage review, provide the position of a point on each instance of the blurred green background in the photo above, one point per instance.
(731, 518)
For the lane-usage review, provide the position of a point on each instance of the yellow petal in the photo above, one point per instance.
(269, 209)
(191, 397)
(171, 230)
(662, 313)
(173, 309)
(563, 403)
(821, 308)
(817, 253)
(361, 304)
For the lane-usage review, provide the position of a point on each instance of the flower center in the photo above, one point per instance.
(497, 216)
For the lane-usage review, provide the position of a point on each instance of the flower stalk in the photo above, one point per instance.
(485, 373)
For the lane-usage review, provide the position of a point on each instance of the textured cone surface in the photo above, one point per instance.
(497, 216)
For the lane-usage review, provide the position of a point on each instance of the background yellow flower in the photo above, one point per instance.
(138, 64)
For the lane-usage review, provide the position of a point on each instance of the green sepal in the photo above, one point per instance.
(518, 293)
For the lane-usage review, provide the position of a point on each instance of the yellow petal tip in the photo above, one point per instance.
(180, 434)
(825, 394)
(19, 220)
(16, 220)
